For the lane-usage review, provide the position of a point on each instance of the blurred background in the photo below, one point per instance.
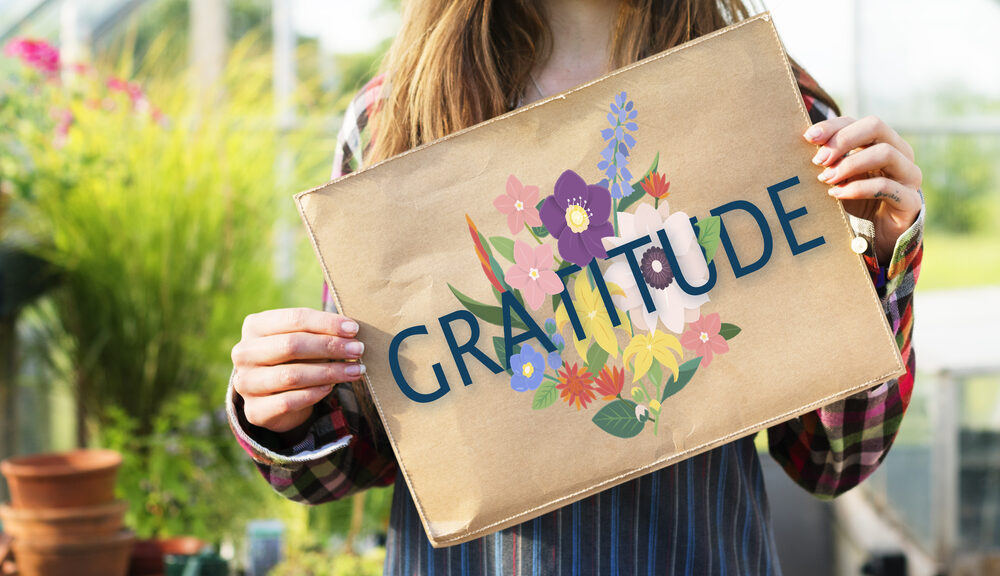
(148, 153)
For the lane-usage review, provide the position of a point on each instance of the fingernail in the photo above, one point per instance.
(833, 191)
(351, 327)
(355, 348)
(813, 133)
(821, 156)
(827, 175)
(355, 370)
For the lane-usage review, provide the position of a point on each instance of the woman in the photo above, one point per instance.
(456, 63)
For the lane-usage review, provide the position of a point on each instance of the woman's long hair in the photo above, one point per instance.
(456, 63)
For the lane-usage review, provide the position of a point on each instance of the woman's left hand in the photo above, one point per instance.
(870, 168)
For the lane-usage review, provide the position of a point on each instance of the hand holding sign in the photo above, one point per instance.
(282, 366)
(871, 169)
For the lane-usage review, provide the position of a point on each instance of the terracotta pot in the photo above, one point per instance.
(64, 480)
(148, 555)
(63, 524)
(106, 556)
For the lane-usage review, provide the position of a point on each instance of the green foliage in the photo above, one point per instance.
(161, 214)
(316, 562)
(960, 182)
(186, 474)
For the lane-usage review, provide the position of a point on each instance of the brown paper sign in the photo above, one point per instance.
(601, 284)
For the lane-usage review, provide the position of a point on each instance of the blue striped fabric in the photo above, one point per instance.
(706, 515)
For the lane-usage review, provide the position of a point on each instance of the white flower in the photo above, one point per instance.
(673, 306)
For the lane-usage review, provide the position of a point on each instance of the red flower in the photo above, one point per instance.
(576, 386)
(656, 185)
(610, 382)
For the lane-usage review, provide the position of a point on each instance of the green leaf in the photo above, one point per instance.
(540, 231)
(637, 190)
(494, 265)
(498, 348)
(708, 236)
(505, 246)
(545, 396)
(597, 357)
(684, 375)
(485, 312)
(656, 373)
(729, 331)
(618, 419)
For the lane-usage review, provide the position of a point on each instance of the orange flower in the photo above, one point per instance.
(656, 185)
(610, 382)
(576, 385)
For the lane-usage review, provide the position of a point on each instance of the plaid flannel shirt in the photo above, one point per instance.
(827, 452)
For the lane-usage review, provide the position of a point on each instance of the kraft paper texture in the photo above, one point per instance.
(720, 119)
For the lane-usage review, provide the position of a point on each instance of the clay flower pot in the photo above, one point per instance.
(104, 556)
(148, 555)
(63, 480)
(63, 524)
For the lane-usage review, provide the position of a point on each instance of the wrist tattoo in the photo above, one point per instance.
(894, 196)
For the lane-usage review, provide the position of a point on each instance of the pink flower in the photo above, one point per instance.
(703, 337)
(519, 205)
(532, 273)
(37, 54)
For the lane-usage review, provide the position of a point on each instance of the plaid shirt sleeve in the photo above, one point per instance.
(340, 451)
(831, 450)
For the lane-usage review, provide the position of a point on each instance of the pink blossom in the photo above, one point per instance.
(704, 339)
(532, 273)
(64, 119)
(37, 54)
(518, 203)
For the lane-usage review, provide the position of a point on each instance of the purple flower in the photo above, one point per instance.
(577, 215)
(528, 368)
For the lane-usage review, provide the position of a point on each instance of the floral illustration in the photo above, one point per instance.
(528, 369)
(576, 386)
(629, 320)
(614, 157)
(704, 338)
(518, 203)
(532, 273)
(576, 214)
(656, 185)
(673, 306)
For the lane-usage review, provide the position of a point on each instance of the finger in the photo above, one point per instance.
(898, 196)
(265, 411)
(865, 132)
(287, 320)
(880, 157)
(820, 132)
(282, 348)
(265, 380)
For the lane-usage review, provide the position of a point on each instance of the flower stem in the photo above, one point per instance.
(533, 235)
(614, 210)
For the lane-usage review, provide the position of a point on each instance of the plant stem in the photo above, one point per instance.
(533, 235)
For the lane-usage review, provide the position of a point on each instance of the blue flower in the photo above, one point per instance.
(528, 367)
(614, 157)
(555, 360)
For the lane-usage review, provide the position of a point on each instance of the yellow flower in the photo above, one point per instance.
(593, 317)
(654, 345)
(654, 405)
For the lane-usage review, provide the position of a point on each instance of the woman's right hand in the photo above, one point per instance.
(282, 363)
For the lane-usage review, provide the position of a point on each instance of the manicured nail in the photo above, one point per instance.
(355, 370)
(827, 175)
(821, 156)
(355, 348)
(813, 133)
(350, 327)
